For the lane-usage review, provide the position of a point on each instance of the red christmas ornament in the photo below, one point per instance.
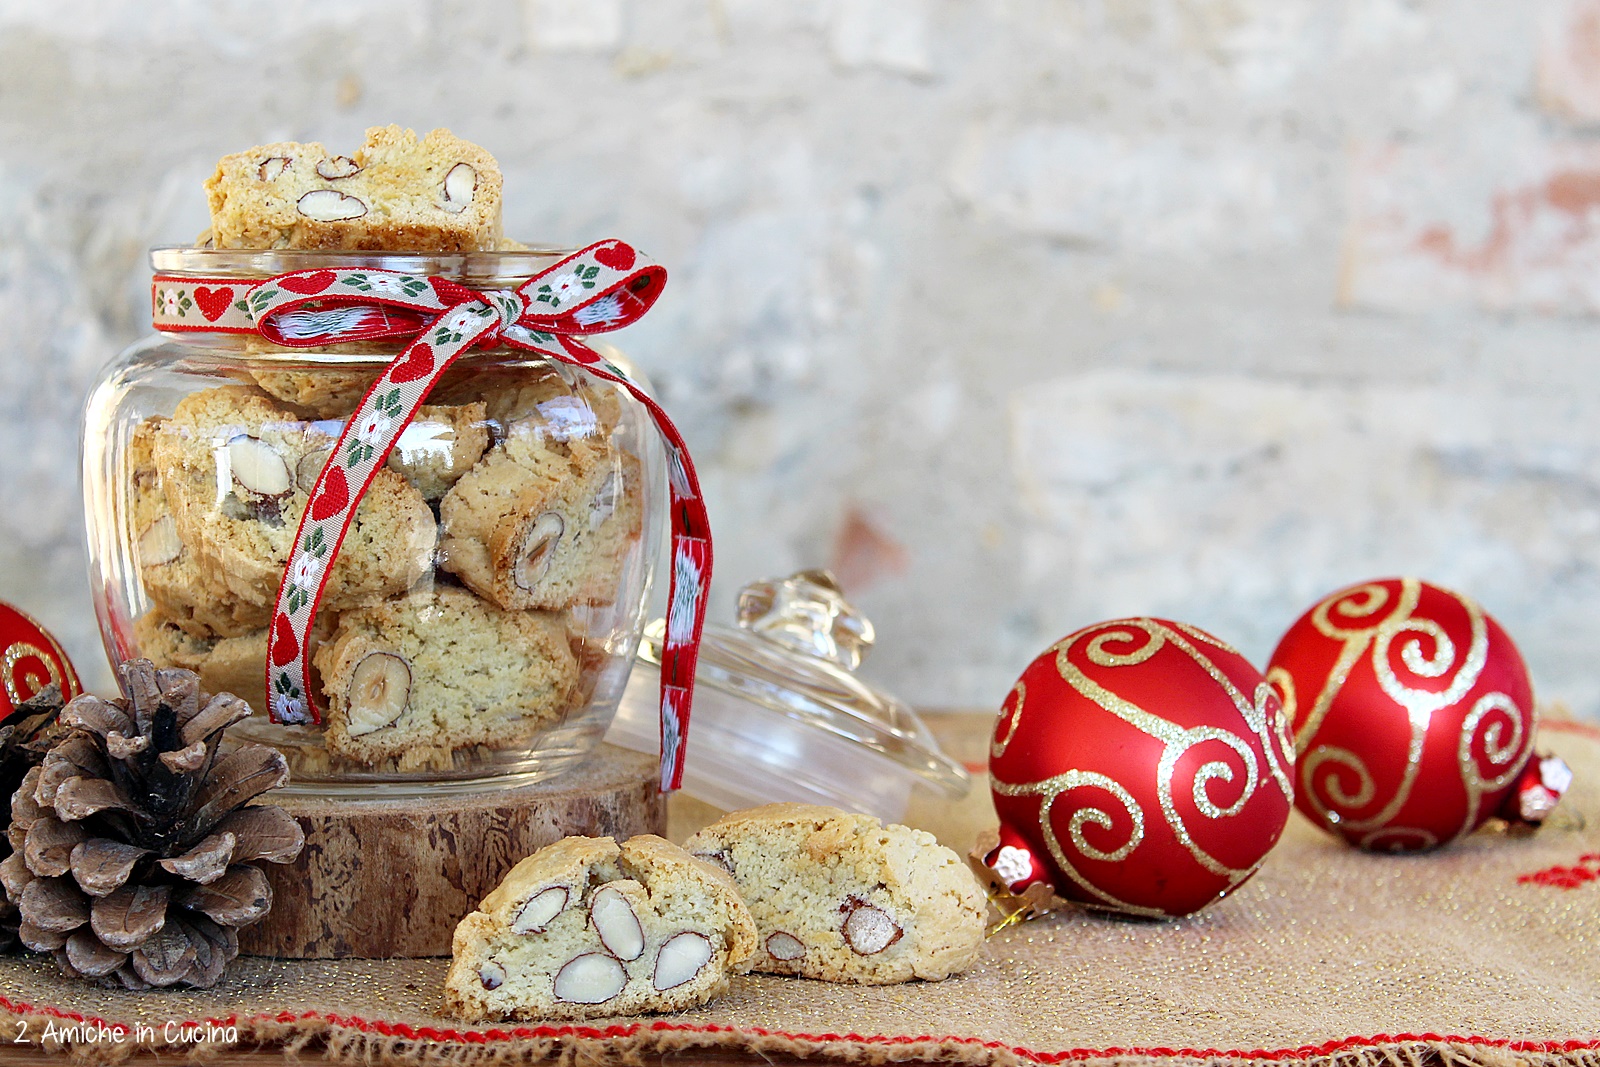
(1413, 713)
(1141, 766)
(30, 659)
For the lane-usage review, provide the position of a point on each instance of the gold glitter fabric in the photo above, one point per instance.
(1483, 953)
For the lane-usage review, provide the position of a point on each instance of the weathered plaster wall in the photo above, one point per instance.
(1020, 313)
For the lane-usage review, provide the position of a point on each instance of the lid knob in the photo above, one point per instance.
(807, 612)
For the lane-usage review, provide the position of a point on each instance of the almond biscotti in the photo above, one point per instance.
(543, 524)
(585, 928)
(237, 470)
(415, 679)
(844, 898)
(395, 193)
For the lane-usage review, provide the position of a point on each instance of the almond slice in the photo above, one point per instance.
(380, 686)
(338, 167)
(616, 923)
(538, 546)
(682, 957)
(592, 978)
(460, 185)
(868, 929)
(159, 543)
(540, 911)
(604, 504)
(491, 974)
(720, 858)
(783, 945)
(257, 467)
(330, 205)
(272, 167)
(309, 467)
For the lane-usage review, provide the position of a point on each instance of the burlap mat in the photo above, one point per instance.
(1481, 954)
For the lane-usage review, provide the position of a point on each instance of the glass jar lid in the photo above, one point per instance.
(794, 651)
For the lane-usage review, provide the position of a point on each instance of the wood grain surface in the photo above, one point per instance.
(383, 878)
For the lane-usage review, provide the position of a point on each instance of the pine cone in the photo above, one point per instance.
(25, 735)
(136, 857)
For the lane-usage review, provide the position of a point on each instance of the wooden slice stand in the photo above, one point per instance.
(392, 877)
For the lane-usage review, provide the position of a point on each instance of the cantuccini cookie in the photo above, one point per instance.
(237, 469)
(410, 681)
(173, 577)
(396, 193)
(541, 524)
(584, 928)
(844, 898)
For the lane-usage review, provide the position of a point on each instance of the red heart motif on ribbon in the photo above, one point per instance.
(307, 284)
(334, 496)
(417, 364)
(284, 647)
(619, 256)
(213, 302)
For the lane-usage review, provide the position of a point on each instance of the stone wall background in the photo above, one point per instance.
(1020, 314)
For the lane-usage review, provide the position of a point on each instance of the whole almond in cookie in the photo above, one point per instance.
(586, 928)
(844, 898)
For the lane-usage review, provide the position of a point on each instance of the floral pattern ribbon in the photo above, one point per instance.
(602, 287)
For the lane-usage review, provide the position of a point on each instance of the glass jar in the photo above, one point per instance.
(780, 714)
(484, 610)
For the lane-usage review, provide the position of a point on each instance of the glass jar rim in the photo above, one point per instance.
(478, 269)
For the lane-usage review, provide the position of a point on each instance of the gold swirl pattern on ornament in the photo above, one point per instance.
(1362, 602)
(1420, 704)
(1051, 790)
(1510, 755)
(14, 656)
(1176, 739)
(1366, 788)
(1204, 638)
(997, 747)
(1100, 656)
(1207, 773)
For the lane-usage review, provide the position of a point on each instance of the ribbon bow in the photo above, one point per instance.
(602, 287)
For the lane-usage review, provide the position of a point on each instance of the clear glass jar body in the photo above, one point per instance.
(483, 613)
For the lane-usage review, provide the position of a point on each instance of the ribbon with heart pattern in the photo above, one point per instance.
(599, 288)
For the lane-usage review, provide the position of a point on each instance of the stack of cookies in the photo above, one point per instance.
(507, 512)
(585, 929)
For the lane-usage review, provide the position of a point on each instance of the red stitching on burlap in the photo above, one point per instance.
(1586, 870)
(1567, 726)
(388, 1029)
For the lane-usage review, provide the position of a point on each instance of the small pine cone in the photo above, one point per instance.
(137, 857)
(25, 735)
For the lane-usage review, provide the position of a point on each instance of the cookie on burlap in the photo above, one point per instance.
(396, 193)
(542, 524)
(415, 679)
(844, 898)
(583, 928)
(236, 469)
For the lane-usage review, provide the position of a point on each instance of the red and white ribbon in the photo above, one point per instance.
(603, 287)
